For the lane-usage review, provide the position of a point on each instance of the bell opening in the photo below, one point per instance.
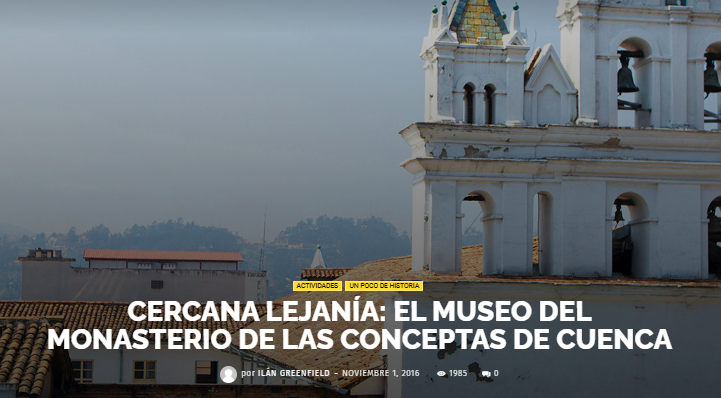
(711, 87)
(471, 223)
(630, 234)
(627, 86)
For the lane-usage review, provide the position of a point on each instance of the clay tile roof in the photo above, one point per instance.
(338, 358)
(399, 268)
(323, 273)
(103, 315)
(159, 255)
(24, 357)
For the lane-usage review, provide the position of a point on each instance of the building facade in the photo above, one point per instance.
(624, 219)
(552, 153)
(23, 351)
(132, 275)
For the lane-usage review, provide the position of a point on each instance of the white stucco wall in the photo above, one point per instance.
(671, 175)
(178, 366)
(670, 76)
(57, 280)
(172, 366)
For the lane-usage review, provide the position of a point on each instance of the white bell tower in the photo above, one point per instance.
(472, 74)
(531, 141)
(669, 42)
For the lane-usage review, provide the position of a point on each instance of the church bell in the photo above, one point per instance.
(710, 78)
(625, 78)
(618, 217)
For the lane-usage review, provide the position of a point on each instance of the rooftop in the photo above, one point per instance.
(323, 273)
(104, 315)
(399, 268)
(338, 358)
(160, 255)
(472, 19)
(24, 359)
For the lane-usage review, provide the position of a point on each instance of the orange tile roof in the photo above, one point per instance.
(337, 358)
(24, 357)
(323, 273)
(104, 315)
(398, 268)
(159, 255)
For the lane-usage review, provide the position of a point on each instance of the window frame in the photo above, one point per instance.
(212, 365)
(157, 284)
(145, 379)
(82, 369)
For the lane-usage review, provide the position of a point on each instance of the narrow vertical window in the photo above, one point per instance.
(489, 103)
(468, 101)
(714, 239)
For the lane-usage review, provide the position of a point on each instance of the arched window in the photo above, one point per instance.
(630, 236)
(488, 97)
(468, 103)
(634, 84)
(479, 227)
(711, 85)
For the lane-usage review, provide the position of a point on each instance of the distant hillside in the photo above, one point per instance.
(14, 231)
(346, 243)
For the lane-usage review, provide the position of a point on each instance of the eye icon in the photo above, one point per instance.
(441, 373)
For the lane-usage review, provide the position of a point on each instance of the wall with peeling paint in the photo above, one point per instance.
(451, 65)
(672, 176)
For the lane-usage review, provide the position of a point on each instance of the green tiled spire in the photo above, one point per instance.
(471, 19)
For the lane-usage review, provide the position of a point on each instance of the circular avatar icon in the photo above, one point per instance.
(228, 374)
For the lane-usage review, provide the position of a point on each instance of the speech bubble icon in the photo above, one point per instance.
(486, 373)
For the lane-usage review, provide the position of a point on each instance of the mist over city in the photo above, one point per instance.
(123, 113)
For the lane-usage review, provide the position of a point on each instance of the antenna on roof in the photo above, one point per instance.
(262, 242)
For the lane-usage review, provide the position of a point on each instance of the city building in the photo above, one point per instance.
(627, 216)
(29, 369)
(622, 212)
(131, 275)
(24, 324)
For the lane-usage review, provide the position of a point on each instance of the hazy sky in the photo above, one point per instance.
(122, 112)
